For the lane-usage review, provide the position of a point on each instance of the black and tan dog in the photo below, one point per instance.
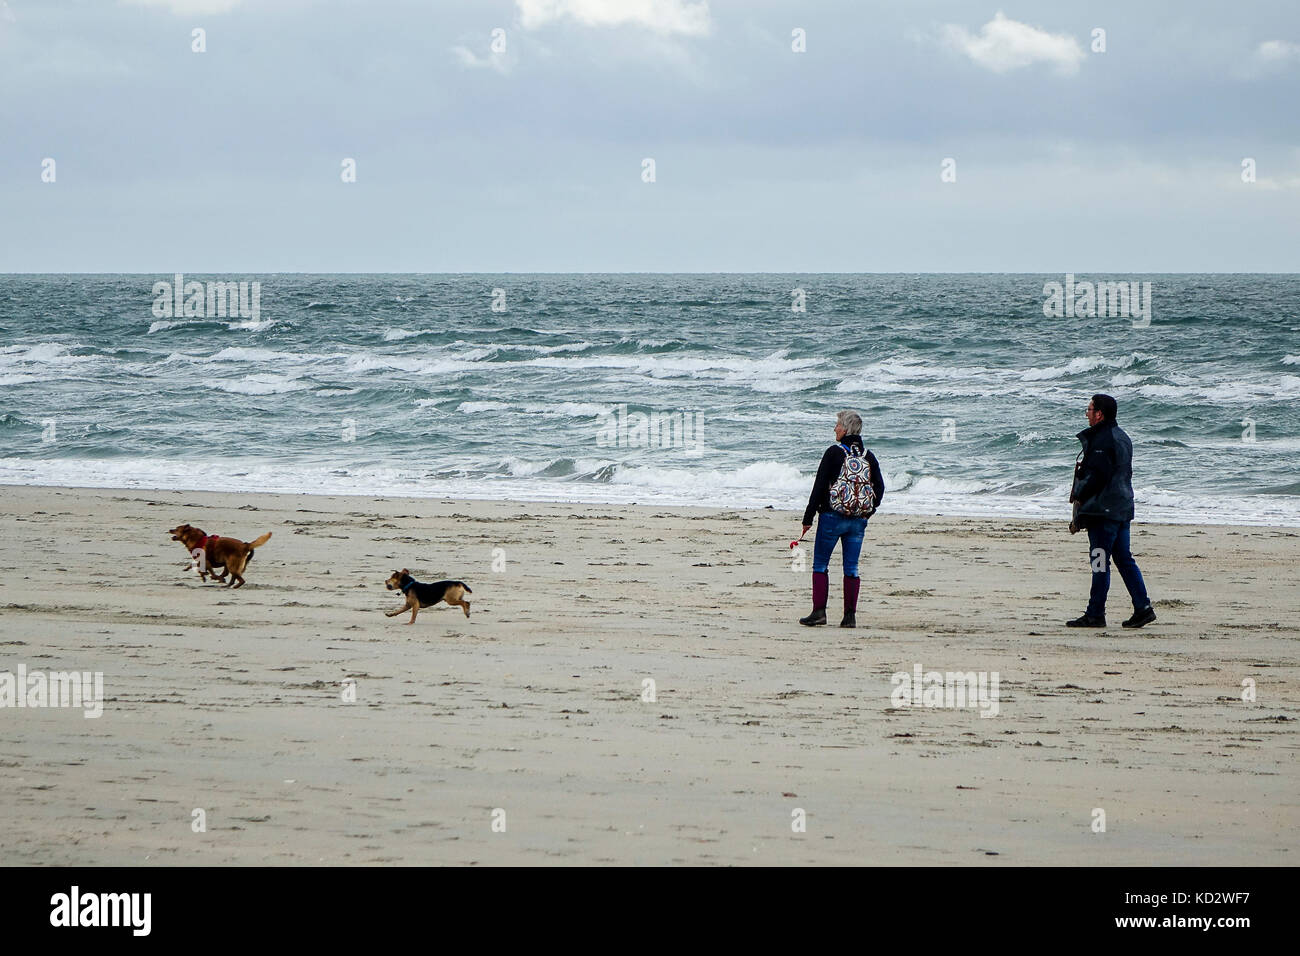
(218, 552)
(420, 595)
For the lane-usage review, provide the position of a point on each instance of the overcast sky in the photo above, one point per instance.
(765, 159)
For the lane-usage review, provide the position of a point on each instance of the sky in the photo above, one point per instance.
(525, 149)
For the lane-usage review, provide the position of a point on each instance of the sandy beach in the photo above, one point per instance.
(532, 712)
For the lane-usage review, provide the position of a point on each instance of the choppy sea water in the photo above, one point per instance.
(414, 385)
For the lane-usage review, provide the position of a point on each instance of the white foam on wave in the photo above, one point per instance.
(1291, 360)
(681, 365)
(239, 353)
(548, 349)
(259, 384)
(396, 335)
(400, 363)
(570, 410)
(1227, 393)
(163, 324)
(757, 485)
(1078, 366)
(554, 410)
(932, 484)
(896, 374)
(768, 477)
(42, 353)
(520, 468)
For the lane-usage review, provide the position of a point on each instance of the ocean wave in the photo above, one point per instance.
(398, 363)
(163, 324)
(1291, 360)
(1031, 438)
(1124, 380)
(246, 354)
(42, 353)
(654, 365)
(933, 484)
(770, 477)
(897, 374)
(1079, 366)
(260, 384)
(1227, 393)
(570, 410)
(757, 485)
(241, 353)
(552, 410)
(396, 335)
(547, 349)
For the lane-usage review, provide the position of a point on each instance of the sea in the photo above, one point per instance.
(716, 390)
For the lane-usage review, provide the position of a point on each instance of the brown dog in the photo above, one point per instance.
(420, 595)
(214, 551)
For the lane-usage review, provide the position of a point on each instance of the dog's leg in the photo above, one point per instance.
(397, 611)
(415, 609)
(465, 604)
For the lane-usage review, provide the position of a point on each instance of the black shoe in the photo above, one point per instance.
(849, 620)
(1144, 616)
(818, 616)
(1086, 621)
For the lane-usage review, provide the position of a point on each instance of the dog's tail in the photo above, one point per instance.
(468, 589)
(258, 542)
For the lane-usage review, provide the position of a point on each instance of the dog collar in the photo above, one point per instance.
(409, 584)
(208, 539)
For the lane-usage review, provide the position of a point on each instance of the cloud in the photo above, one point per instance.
(471, 60)
(688, 17)
(189, 7)
(1277, 51)
(1003, 45)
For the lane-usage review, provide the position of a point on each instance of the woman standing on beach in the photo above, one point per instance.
(848, 490)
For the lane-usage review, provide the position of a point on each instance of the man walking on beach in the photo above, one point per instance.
(1103, 497)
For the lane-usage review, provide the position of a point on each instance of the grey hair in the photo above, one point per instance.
(850, 421)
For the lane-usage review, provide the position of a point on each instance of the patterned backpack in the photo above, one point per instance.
(852, 493)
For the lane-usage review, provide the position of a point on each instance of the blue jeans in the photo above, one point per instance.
(1107, 543)
(832, 527)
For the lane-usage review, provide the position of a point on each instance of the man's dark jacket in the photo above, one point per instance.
(1103, 483)
(829, 470)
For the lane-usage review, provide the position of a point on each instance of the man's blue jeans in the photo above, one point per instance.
(832, 527)
(1107, 543)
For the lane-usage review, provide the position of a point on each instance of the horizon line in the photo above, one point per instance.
(655, 273)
